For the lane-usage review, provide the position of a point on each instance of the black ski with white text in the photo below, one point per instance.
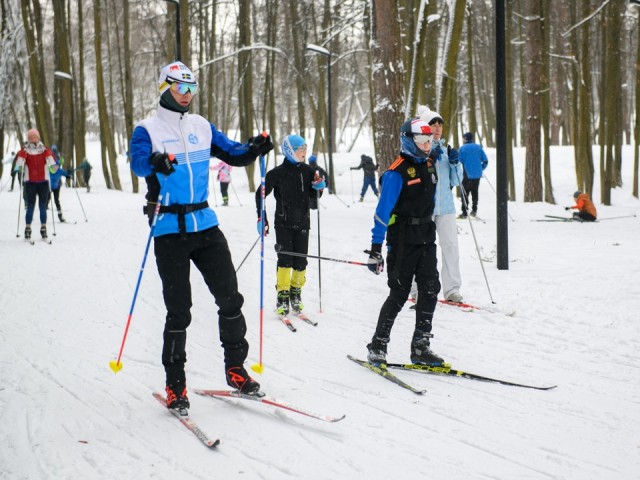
(447, 370)
(386, 374)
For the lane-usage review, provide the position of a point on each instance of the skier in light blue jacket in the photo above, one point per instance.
(450, 175)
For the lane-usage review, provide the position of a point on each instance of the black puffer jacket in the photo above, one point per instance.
(292, 188)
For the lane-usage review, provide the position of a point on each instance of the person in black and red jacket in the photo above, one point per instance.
(37, 160)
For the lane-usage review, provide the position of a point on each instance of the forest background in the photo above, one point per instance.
(77, 68)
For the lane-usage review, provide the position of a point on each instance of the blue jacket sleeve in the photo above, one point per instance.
(140, 151)
(485, 160)
(391, 186)
(234, 153)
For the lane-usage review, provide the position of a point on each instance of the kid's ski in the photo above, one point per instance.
(263, 398)
(447, 370)
(384, 373)
(183, 416)
(285, 319)
(305, 318)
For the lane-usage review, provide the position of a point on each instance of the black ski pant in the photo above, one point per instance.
(31, 191)
(224, 191)
(209, 252)
(470, 187)
(403, 264)
(56, 198)
(296, 241)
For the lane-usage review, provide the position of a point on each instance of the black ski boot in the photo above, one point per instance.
(27, 232)
(43, 232)
(238, 378)
(295, 298)
(177, 397)
(377, 351)
(421, 353)
(282, 307)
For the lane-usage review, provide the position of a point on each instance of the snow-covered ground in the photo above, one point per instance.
(575, 290)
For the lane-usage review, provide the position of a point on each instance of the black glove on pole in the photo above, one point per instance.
(163, 162)
(376, 262)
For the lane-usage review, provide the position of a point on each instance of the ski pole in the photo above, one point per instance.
(236, 193)
(53, 219)
(80, 201)
(247, 255)
(20, 200)
(475, 240)
(278, 249)
(352, 197)
(116, 365)
(494, 191)
(616, 218)
(319, 261)
(258, 367)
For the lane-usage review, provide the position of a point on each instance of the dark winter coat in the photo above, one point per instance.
(367, 165)
(292, 188)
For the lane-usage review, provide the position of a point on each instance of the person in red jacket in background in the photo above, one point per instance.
(37, 159)
(586, 209)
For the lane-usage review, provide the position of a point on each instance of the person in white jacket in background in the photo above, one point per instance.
(450, 174)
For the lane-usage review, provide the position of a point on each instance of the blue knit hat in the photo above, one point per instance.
(577, 193)
(290, 144)
(313, 159)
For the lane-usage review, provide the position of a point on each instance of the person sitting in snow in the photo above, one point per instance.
(586, 209)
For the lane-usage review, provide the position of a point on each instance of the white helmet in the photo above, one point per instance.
(175, 72)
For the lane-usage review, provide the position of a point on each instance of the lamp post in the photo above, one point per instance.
(178, 46)
(323, 51)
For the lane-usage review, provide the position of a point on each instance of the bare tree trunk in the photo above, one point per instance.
(128, 90)
(511, 124)
(387, 78)
(532, 84)
(63, 86)
(636, 146)
(245, 77)
(109, 164)
(32, 25)
(545, 99)
(80, 110)
(448, 87)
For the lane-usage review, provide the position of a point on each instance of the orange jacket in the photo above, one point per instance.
(584, 204)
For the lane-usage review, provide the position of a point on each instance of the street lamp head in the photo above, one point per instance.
(62, 75)
(318, 49)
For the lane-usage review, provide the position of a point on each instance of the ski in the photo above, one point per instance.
(183, 416)
(464, 306)
(47, 240)
(384, 373)
(305, 318)
(447, 370)
(285, 319)
(31, 241)
(263, 398)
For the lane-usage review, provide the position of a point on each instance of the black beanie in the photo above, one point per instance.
(468, 137)
(167, 101)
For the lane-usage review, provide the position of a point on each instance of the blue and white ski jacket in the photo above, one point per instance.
(193, 140)
(448, 176)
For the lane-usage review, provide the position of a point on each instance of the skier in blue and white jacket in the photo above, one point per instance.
(450, 174)
(171, 149)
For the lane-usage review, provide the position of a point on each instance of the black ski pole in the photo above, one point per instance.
(20, 200)
(247, 255)
(75, 187)
(278, 249)
(319, 261)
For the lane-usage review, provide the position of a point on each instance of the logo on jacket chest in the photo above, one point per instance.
(411, 171)
(193, 138)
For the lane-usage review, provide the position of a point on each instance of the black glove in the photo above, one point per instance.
(163, 162)
(261, 144)
(453, 156)
(567, 208)
(435, 153)
(375, 262)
